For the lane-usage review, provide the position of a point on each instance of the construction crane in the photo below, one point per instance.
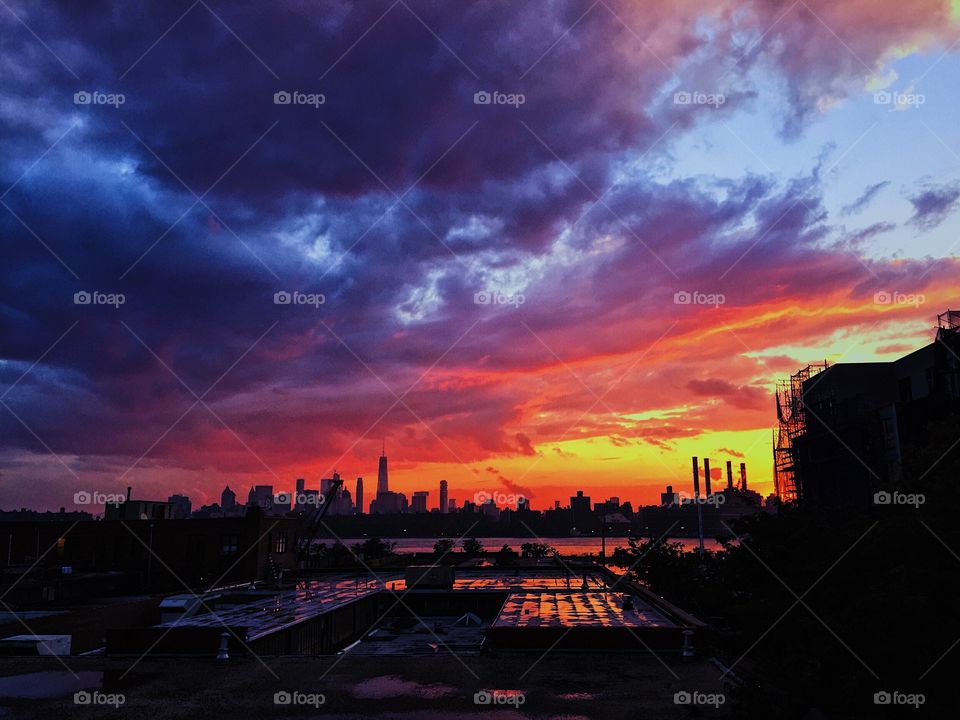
(311, 524)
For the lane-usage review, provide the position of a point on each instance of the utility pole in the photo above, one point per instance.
(696, 499)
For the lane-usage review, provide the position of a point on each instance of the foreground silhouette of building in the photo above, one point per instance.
(843, 429)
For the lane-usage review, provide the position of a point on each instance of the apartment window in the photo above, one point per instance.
(281, 542)
(230, 545)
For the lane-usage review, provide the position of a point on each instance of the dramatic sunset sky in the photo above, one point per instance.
(830, 172)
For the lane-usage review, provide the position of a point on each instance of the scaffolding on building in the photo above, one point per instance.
(949, 321)
(947, 358)
(791, 423)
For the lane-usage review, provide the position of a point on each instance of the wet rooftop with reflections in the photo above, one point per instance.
(269, 612)
(539, 598)
(576, 609)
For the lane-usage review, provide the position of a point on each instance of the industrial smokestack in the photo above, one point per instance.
(729, 475)
(128, 493)
(706, 475)
(696, 477)
(743, 476)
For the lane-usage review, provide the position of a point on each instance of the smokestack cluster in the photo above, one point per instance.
(706, 476)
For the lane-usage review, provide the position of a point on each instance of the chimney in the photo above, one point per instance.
(706, 475)
(729, 475)
(128, 493)
(696, 477)
(743, 476)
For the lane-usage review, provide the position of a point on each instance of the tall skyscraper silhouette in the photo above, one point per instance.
(359, 496)
(444, 503)
(382, 484)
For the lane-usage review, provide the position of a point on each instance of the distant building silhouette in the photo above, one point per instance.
(669, 498)
(359, 497)
(444, 502)
(418, 502)
(261, 496)
(581, 511)
(228, 499)
(181, 506)
(139, 510)
(388, 503)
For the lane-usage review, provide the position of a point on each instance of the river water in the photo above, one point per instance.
(563, 545)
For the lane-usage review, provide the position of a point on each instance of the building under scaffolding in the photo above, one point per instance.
(843, 428)
(791, 425)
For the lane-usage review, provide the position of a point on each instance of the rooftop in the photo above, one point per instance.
(274, 610)
(577, 609)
